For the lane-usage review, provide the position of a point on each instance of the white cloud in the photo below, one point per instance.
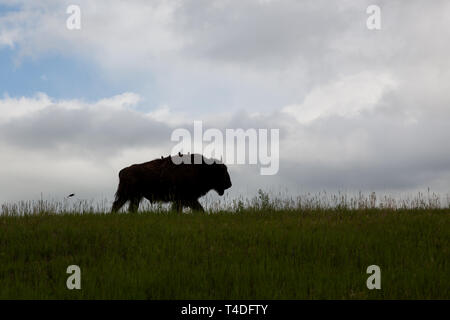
(19, 107)
(8, 38)
(347, 97)
(165, 115)
(27, 106)
(122, 101)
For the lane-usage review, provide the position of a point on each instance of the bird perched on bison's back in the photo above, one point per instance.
(180, 179)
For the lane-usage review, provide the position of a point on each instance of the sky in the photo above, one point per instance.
(357, 109)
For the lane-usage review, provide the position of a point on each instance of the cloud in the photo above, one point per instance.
(7, 38)
(76, 127)
(356, 108)
(58, 146)
(18, 107)
(53, 146)
(207, 56)
(347, 97)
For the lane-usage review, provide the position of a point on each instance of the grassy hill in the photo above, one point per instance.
(250, 253)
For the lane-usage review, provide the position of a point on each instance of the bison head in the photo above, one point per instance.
(222, 179)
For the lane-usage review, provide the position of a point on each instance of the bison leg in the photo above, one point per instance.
(118, 204)
(134, 205)
(195, 206)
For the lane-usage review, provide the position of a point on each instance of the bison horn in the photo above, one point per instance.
(179, 153)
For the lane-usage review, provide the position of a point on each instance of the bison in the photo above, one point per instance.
(168, 180)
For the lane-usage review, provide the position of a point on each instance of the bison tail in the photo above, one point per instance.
(119, 193)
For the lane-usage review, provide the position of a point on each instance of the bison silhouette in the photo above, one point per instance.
(180, 179)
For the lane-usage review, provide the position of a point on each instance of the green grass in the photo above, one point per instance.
(251, 254)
